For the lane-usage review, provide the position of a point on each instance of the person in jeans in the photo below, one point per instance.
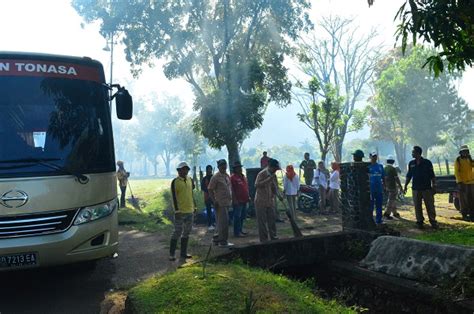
(377, 177)
(207, 200)
(240, 198)
(465, 180)
(423, 187)
(393, 185)
(266, 188)
(220, 192)
(122, 177)
(334, 187)
(291, 186)
(321, 177)
(184, 208)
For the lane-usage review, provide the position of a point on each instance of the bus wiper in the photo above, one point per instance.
(47, 162)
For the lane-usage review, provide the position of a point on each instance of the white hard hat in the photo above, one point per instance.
(181, 165)
(390, 157)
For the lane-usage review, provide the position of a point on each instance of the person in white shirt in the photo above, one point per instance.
(334, 186)
(291, 186)
(321, 177)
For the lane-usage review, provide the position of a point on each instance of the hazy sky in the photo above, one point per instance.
(53, 26)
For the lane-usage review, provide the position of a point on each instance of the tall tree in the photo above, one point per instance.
(230, 51)
(410, 106)
(324, 116)
(340, 56)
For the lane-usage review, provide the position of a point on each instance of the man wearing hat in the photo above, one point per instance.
(376, 175)
(122, 177)
(465, 180)
(220, 192)
(358, 155)
(266, 188)
(240, 198)
(393, 185)
(184, 207)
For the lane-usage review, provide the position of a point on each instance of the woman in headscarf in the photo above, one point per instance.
(291, 186)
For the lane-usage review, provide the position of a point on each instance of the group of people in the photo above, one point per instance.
(224, 192)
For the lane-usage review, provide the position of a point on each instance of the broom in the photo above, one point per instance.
(134, 201)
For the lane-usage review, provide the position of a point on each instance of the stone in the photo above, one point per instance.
(419, 260)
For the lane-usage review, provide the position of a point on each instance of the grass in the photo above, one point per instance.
(458, 235)
(230, 288)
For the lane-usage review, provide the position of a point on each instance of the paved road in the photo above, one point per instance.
(80, 289)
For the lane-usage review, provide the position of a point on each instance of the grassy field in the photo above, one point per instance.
(230, 288)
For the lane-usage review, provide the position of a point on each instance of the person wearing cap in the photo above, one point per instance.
(377, 177)
(358, 155)
(220, 192)
(122, 177)
(266, 188)
(184, 207)
(423, 187)
(291, 186)
(393, 185)
(465, 180)
(240, 198)
(308, 165)
(207, 200)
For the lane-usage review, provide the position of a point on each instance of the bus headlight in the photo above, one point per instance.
(88, 214)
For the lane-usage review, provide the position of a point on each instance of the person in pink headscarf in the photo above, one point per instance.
(291, 186)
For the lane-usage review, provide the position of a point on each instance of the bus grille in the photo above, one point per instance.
(36, 224)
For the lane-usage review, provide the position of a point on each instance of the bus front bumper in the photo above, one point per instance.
(86, 242)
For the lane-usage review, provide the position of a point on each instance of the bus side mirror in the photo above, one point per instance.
(124, 104)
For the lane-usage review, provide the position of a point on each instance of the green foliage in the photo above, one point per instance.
(230, 51)
(245, 290)
(323, 117)
(409, 106)
(447, 25)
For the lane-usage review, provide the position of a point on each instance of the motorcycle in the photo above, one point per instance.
(308, 198)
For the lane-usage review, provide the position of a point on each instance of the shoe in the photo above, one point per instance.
(211, 228)
(279, 220)
(420, 225)
(240, 235)
(225, 244)
(274, 238)
(244, 233)
(187, 256)
(389, 217)
(397, 215)
(172, 258)
(435, 226)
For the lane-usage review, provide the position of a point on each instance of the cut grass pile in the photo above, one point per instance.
(230, 288)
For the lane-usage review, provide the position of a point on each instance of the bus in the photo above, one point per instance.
(58, 190)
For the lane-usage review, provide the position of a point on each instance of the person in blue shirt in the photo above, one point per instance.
(376, 174)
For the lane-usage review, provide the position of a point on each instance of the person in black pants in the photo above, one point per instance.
(207, 200)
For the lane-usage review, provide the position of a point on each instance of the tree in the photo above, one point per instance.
(192, 144)
(322, 117)
(159, 132)
(230, 51)
(447, 25)
(409, 106)
(344, 59)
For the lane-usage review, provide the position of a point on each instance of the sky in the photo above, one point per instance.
(53, 26)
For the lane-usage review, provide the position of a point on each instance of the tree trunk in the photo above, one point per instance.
(324, 154)
(338, 150)
(400, 151)
(155, 167)
(233, 154)
(168, 166)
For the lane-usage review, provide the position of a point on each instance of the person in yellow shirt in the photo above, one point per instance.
(122, 177)
(465, 180)
(184, 207)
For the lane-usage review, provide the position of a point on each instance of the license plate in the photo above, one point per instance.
(18, 260)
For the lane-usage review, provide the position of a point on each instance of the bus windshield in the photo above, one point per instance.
(50, 118)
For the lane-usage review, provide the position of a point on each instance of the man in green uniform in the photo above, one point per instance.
(393, 186)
